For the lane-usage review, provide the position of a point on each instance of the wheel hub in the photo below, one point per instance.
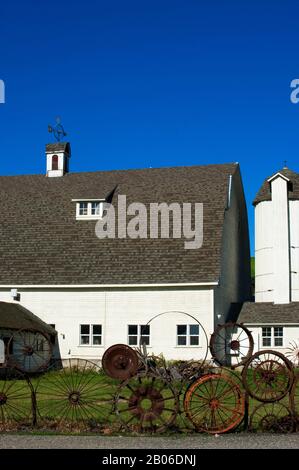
(214, 403)
(28, 350)
(235, 345)
(74, 398)
(146, 403)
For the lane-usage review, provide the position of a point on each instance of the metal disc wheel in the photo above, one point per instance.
(120, 362)
(272, 417)
(15, 398)
(268, 376)
(31, 351)
(214, 403)
(231, 345)
(74, 394)
(146, 403)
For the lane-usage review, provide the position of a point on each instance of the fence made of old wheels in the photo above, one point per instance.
(120, 362)
(146, 402)
(15, 399)
(272, 417)
(231, 345)
(74, 394)
(268, 376)
(214, 403)
(295, 400)
(31, 351)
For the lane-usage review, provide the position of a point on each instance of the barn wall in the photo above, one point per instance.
(290, 334)
(115, 309)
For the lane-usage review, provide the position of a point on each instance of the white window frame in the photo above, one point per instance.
(272, 336)
(187, 335)
(89, 215)
(91, 335)
(139, 327)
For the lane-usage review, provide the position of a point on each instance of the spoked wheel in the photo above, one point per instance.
(15, 398)
(268, 376)
(272, 417)
(31, 351)
(74, 394)
(146, 403)
(120, 362)
(295, 400)
(231, 345)
(214, 403)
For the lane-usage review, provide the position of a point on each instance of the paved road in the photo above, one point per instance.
(228, 441)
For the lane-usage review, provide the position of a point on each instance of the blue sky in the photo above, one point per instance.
(151, 83)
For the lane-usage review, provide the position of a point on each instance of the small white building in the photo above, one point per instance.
(98, 292)
(274, 316)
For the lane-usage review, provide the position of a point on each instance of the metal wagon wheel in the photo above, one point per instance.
(214, 403)
(295, 399)
(15, 398)
(31, 351)
(146, 402)
(231, 345)
(272, 417)
(120, 362)
(74, 394)
(268, 376)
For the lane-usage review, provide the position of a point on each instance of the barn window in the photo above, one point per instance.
(272, 336)
(187, 335)
(90, 335)
(55, 162)
(89, 210)
(138, 334)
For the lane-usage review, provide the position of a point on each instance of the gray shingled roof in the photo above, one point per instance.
(42, 243)
(267, 312)
(58, 147)
(264, 193)
(14, 317)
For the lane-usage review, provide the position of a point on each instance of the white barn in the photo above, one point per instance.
(98, 292)
(274, 316)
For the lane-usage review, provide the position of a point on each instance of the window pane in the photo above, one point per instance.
(132, 340)
(95, 208)
(84, 340)
(97, 329)
(194, 329)
(182, 340)
(278, 331)
(182, 329)
(266, 331)
(83, 208)
(84, 329)
(278, 341)
(133, 329)
(145, 340)
(266, 341)
(97, 340)
(145, 329)
(194, 340)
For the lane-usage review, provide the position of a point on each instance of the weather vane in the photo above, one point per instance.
(58, 130)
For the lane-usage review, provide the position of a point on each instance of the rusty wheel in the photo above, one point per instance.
(73, 394)
(31, 351)
(272, 417)
(231, 345)
(292, 353)
(268, 376)
(214, 403)
(120, 362)
(146, 403)
(15, 398)
(295, 399)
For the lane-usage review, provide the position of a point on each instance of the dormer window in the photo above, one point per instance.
(89, 209)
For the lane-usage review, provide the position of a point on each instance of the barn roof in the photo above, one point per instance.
(42, 243)
(268, 313)
(15, 317)
(264, 193)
